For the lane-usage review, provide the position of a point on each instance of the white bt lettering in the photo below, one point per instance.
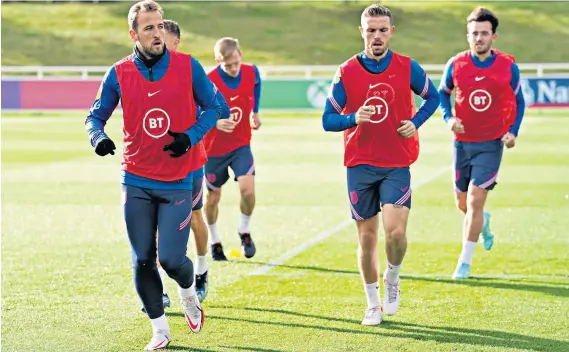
(480, 100)
(155, 122)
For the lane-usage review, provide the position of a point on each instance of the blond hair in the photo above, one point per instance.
(225, 47)
(142, 6)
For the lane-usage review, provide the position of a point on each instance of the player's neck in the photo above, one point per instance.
(376, 58)
(148, 61)
(227, 75)
(482, 56)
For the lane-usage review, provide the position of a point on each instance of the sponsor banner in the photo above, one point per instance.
(546, 92)
(64, 95)
(11, 95)
(276, 93)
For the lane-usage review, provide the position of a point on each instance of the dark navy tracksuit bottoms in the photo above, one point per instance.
(169, 212)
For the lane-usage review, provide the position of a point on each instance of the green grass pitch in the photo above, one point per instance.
(66, 267)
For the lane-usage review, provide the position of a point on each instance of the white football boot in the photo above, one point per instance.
(391, 297)
(374, 316)
(160, 340)
(193, 312)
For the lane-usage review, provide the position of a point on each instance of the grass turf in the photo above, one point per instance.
(66, 267)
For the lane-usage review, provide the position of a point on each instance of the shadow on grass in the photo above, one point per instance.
(300, 267)
(443, 334)
(188, 348)
(554, 288)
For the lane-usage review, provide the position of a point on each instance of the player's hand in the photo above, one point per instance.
(407, 129)
(226, 125)
(105, 146)
(179, 146)
(456, 125)
(363, 115)
(256, 121)
(509, 140)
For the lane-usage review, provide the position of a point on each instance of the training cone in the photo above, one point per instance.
(235, 253)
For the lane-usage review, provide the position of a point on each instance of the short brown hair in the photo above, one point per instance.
(172, 27)
(377, 10)
(481, 14)
(142, 6)
(225, 47)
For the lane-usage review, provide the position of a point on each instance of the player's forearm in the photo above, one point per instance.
(103, 107)
(445, 105)
(205, 123)
(520, 110)
(222, 104)
(257, 94)
(430, 103)
(334, 122)
(95, 129)
(208, 118)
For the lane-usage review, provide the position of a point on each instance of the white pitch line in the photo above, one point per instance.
(265, 269)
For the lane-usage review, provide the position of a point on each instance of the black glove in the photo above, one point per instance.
(105, 146)
(179, 146)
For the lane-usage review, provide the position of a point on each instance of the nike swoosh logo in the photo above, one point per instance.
(371, 86)
(180, 202)
(233, 98)
(161, 343)
(151, 94)
(479, 78)
(190, 323)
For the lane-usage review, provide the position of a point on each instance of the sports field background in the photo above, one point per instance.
(66, 269)
(277, 33)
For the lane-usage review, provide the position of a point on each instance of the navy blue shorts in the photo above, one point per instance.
(370, 187)
(197, 189)
(217, 167)
(477, 163)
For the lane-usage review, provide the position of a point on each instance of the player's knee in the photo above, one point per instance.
(213, 197)
(171, 259)
(461, 204)
(395, 232)
(144, 264)
(476, 198)
(246, 185)
(197, 220)
(171, 263)
(368, 241)
(247, 192)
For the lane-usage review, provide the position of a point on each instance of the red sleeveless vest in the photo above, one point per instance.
(484, 100)
(378, 143)
(241, 102)
(150, 109)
